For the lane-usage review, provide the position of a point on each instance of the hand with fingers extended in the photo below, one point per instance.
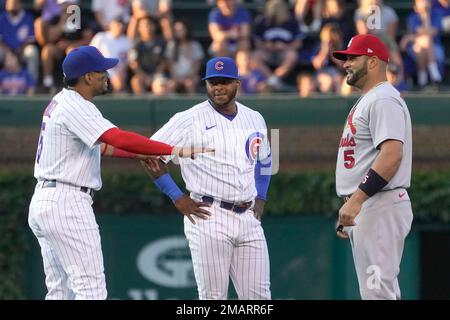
(151, 163)
(189, 152)
(189, 207)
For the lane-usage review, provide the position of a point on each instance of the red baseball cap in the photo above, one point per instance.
(364, 45)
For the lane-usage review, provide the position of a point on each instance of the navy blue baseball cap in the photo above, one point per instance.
(223, 67)
(86, 59)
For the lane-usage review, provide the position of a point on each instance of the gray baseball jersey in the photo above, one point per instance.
(380, 115)
(384, 221)
(227, 244)
(60, 213)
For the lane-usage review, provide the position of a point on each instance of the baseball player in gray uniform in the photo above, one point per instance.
(373, 170)
(67, 170)
(226, 239)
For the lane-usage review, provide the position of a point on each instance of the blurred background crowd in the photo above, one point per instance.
(281, 46)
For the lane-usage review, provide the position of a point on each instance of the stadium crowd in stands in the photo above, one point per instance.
(279, 45)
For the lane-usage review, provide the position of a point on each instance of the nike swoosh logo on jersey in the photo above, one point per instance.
(207, 128)
(401, 194)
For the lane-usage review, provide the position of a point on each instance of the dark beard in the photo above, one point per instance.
(357, 75)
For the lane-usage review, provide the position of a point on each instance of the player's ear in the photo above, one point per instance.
(88, 77)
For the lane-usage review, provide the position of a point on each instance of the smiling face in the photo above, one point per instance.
(222, 91)
(357, 69)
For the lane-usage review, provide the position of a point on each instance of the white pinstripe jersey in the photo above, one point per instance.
(68, 150)
(228, 173)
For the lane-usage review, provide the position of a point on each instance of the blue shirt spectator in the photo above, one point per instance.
(16, 31)
(414, 22)
(229, 27)
(227, 23)
(14, 79)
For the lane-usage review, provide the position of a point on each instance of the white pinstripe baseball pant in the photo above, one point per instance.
(229, 245)
(64, 223)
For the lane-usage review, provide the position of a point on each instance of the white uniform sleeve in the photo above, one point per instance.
(176, 132)
(86, 122)
(387, 121)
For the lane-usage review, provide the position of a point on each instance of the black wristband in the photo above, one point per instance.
(372, 183)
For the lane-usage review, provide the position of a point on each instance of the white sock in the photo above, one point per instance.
(422, 78)
(434, 72)
(48, 81)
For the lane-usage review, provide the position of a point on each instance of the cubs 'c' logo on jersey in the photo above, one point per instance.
(252, 145)
(219, 65)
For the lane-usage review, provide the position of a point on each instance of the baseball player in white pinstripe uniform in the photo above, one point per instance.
(226, 239)
(67, 168)
(373, 170)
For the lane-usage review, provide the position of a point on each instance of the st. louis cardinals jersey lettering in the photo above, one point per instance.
(378, 116)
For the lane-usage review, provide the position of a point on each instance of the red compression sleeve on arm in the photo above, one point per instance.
(119, 153)
(133, 142)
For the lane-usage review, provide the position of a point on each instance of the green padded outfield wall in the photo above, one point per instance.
(278, 111)
(147, 257)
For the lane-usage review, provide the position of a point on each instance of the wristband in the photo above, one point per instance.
(372, 183)
(166, 184)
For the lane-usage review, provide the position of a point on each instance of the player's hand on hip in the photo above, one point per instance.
(189, 207)
(189, 152)
(258, 208)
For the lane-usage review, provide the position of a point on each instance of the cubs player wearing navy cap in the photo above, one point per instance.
(67, 169)
(373, 170)
(226, 238)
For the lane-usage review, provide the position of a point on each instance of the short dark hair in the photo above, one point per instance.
(70, 82)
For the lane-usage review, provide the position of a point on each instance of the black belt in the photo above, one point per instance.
(235, 207)
(52, 184)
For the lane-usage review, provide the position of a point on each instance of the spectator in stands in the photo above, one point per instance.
(106, 11)
(59, 36)
(48, 9)
(395, 77)
(277, 40)
(423, 42)
(335, 11)
(444, 7)
(159, 10)
(146, 58)
(309, 15)
(17, 35)
(374, 17)
(329, 73)
(229, 28)
(160, 85)
(184, 56)
(114, 43)
(13, 78)
(253, 79)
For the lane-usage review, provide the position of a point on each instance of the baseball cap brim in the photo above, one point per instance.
(342, 55)
(219, 75)
(108, 63)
